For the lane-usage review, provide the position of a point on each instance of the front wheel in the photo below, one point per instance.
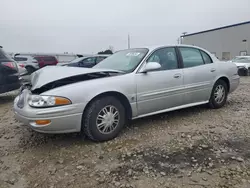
(103, 119)
(219, 94)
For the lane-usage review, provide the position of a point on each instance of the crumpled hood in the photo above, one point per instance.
(247, 65)
(53, 73)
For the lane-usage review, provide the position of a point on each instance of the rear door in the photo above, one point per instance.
(199, 74)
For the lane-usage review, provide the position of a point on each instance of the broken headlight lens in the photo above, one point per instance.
(40, 101)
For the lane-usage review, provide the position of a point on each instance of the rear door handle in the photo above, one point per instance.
(213, 70)
(177, 75)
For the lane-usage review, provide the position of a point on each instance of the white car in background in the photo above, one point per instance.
(243, 64)
(29, 62)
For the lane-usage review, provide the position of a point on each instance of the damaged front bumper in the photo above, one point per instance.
(62, 119)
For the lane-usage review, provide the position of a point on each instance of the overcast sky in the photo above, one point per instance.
(88, 26)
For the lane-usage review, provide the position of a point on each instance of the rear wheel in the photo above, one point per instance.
(103, 119)
(219, 94)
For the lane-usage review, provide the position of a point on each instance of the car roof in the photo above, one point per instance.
(154, 47)
(168, 45)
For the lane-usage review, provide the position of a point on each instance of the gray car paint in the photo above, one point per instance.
(147, 93)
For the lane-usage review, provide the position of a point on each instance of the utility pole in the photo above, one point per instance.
(178, 41)
(246, 45)
(128, 41)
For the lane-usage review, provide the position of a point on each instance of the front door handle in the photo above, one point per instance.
(213, 70)
(177, 75)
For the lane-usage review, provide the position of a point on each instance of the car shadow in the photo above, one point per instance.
(30, 138)
(182, 113)
(7, 98)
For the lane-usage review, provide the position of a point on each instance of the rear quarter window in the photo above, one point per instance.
(207, 59)
(20, 59)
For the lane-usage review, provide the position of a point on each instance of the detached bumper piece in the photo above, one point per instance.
(242, 71)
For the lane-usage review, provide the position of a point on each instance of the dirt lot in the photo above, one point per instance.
(195, 147)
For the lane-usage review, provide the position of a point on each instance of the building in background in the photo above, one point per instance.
(224, 42)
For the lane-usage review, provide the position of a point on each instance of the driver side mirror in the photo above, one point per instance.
(151, 66)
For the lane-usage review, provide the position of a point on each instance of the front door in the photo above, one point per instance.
(199, 74)
(161, 89)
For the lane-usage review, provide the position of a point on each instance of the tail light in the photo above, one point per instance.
(9, 64)
(21, 65)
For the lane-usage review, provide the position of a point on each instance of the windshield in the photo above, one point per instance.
(241, 60)
(77, 60)
(125, 60)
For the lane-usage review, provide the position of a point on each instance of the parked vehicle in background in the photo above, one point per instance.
(45, 60)
(129, 84)
(32, 63)
(21, 69)
(9, 76)
(243, 64)
(86, 62)
(29, 62)
(61, 57)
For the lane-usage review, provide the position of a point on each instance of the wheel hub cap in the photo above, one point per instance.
(219, 94)
(107, 119)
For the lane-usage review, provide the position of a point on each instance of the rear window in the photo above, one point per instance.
(21, 59)
(4, 56)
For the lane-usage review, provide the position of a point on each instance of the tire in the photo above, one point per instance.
(248, 72)
(213, 103)
(30, 69)
(90, 121)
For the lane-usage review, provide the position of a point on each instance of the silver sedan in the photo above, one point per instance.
(130, 84)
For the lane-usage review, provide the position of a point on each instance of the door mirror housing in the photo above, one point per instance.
(151, 66)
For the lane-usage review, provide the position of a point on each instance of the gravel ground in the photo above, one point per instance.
(195, 147)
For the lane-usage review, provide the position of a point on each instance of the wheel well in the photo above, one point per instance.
(225, 79)
(122, 98)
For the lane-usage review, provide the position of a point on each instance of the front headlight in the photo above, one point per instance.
(40, 101)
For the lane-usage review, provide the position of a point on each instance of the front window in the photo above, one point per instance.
(90, 60)
(166, 57)
(99, 59)
(125, 60)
